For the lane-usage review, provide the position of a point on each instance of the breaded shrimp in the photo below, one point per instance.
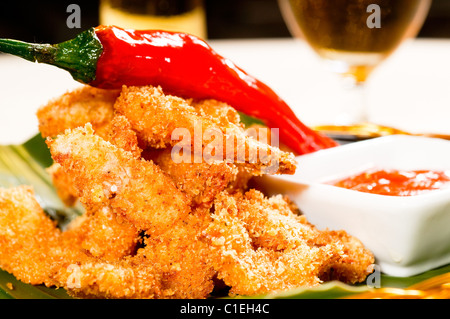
(220, 112)
(103, 234)
(30, 243)
(183, 258)
(76, 108)
(251, 270)
(106, 175)
(263, 247)
(162, 120)
(130, 278)
(156, 225)
(63, 185)
(272, 224)
(174, 265)
(36, 252)
(121, 135)
(200, 181)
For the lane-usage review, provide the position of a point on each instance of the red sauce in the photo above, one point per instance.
(396, 182)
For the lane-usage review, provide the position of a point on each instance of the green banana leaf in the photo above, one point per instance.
(26, 163)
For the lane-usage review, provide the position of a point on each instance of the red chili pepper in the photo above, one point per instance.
(109, 57)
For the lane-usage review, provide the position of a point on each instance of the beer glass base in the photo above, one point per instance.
(352, 108)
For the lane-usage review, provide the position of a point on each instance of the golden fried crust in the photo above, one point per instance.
(356, 262)
(262, 247)
(126, 278)
(250, 269)
(123, 136)
(158, 227)
(76, 108)
(200, 181)
(270, 221)
(28, 238)
(103, 235)
(183, 258)
(273, 224)
(106, 175)
(162, 120)
(63, 185)
(175, 265)
(153, 115)
(220, 112)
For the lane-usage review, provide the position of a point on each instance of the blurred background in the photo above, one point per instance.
(45, 21)
(413, 81)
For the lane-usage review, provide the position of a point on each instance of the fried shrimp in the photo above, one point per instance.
(63, 185)
(103, 234)
(162, 120)
(183, 258)
(252, 271)
(220, 112)
(121, 135)
(200, 181)
(272, 224)
(173, 265)
(106, 175)
(30, 243)
(36, 252)
(263, 247)
(166, 216)
(76, 108)
(130, 278)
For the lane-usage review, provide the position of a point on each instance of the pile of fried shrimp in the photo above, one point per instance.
(157, 227)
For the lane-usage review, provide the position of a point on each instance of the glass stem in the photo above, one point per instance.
(353, 109)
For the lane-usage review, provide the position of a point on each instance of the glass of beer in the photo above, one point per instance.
(353, 37)
(171, 15)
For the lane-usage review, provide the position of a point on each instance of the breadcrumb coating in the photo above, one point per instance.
(261, 246)
(63, 185)
(157, 227)
(104, 174)
(76, 108)
(156, 117)
(103, 234)
(24, 226)
(200, 181)
(220, 112)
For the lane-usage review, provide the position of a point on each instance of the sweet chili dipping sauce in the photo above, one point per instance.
(396, 182)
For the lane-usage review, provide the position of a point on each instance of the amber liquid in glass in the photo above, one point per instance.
(172, 15)
(339, 31)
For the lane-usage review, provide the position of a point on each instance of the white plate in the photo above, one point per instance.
(408, 235)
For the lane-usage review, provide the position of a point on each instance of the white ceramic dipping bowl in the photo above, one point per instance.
(407, 234)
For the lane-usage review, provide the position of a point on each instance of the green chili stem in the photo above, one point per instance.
(32, 52)
(79, 56)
